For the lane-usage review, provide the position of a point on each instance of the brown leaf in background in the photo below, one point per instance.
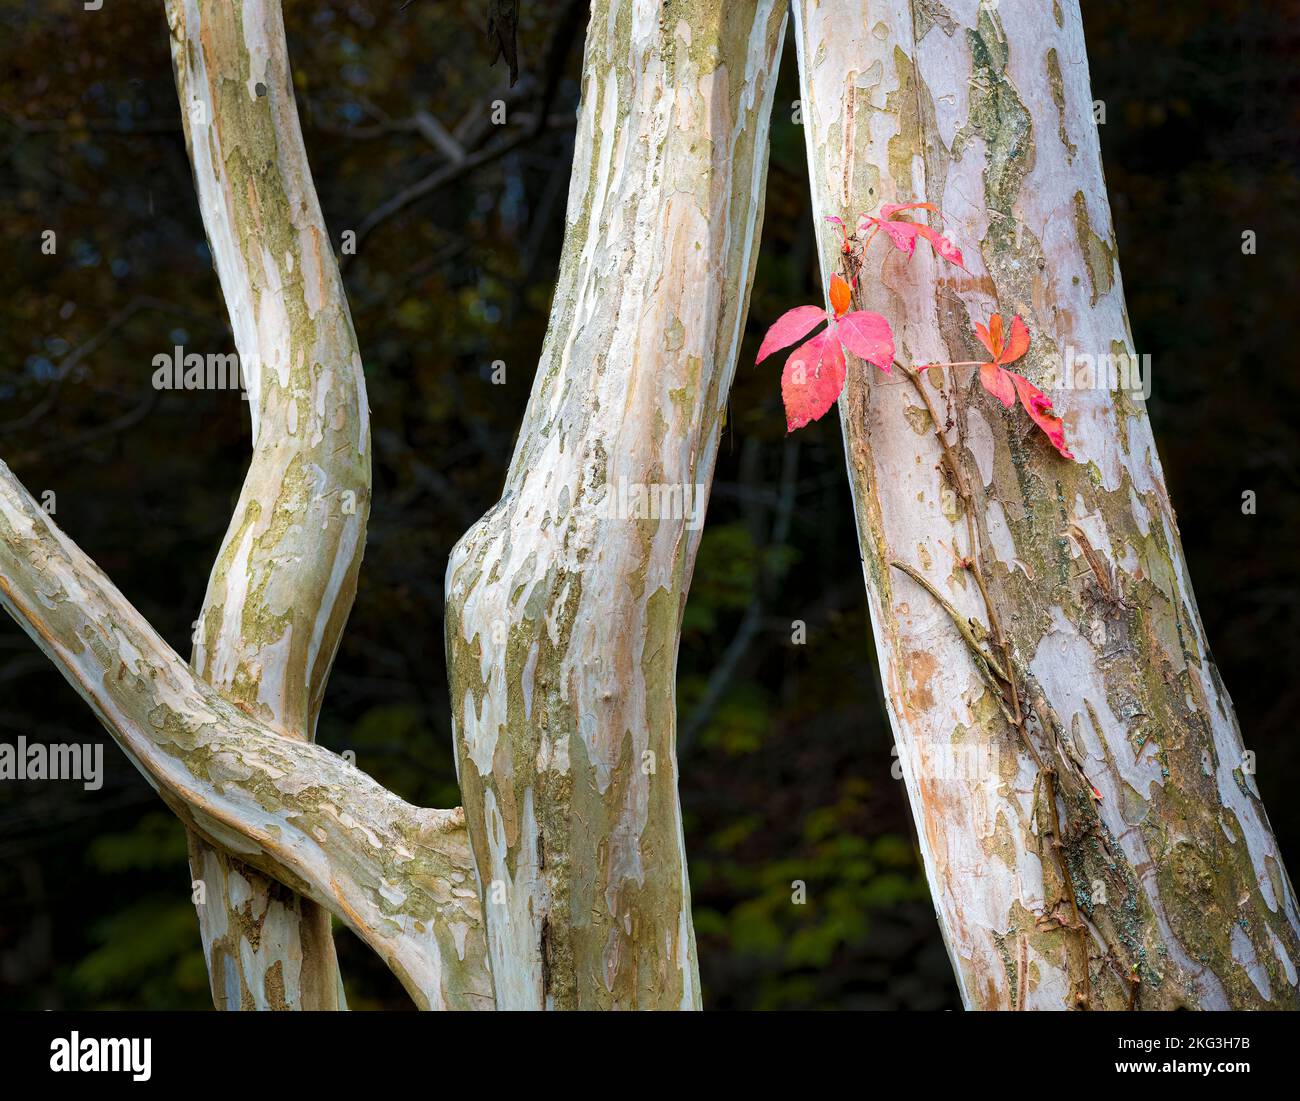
(503, 23)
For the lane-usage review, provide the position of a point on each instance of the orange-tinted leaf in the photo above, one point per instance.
(1017, 342)
(812, 380)
(790, 327)
(868, 336)
(995, 335)
(841, 295)
(998, 383)
(1039, 407)
(982, 332)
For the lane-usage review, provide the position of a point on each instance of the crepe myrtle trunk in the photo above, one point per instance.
(286, 573)
(564, 602)
(282, 834)
(401, 877)
(1183, 901)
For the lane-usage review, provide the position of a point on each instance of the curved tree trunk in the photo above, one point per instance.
(1181, 894)
(286, 574)
(401, 877)
(564, 603)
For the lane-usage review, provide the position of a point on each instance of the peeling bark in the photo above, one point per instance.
(286, 574)
(563, 607)
(986, 110)
(401, 877)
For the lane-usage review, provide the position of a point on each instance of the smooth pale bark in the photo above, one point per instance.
(564, 607)
(400, 876)
(987, 111)
(286, 574)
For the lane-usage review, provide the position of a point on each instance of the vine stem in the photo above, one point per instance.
(974, 565)
(958, 478)
(1005, 671)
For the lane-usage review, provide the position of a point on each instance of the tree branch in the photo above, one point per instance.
(401, 877)
(285, 576)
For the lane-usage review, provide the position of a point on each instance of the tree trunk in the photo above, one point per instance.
(564, 603)
(1175, 893)
(286, 574)
(401, 877)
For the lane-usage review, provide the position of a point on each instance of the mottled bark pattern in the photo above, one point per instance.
(401, 877)
(986, 110)
(563, 617)
(286, 573)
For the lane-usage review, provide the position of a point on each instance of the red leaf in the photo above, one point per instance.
(903, 234)
(982, 332)
(841, 295)
(890, 209)
(1017, 344)
(868, 336)
(812, 380)
(998, 383)
(790, 327)
(942, 246)
(1039, 407)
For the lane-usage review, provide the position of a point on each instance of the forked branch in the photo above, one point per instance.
(401, 877)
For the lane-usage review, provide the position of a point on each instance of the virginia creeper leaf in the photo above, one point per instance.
(995, 335)
(1039, 407)
(790, 327)
(890, 209)
(903, 234)
(812, 379)
(841, 295)
(998, 383)
(942, 246)
(1017, 343)
(868, 336)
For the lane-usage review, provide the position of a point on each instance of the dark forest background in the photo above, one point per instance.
(785, 752)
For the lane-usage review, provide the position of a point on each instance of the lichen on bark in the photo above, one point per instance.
(994, 108)
(285, 576)
(562, 614)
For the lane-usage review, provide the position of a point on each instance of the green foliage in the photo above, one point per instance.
(157, 841)
(726, 574)
(147, 956)
(802, 917)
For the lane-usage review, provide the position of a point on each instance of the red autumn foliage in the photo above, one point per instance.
(816, 370)
(1007, 385)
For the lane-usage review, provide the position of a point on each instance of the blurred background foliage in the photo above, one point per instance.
(786, 761)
